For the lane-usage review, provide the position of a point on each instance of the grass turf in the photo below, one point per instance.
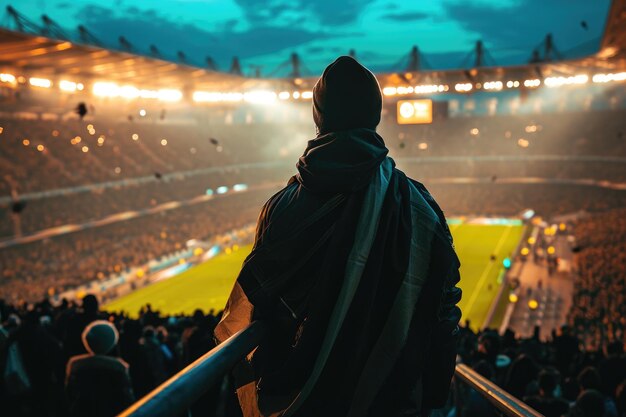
(208, 285)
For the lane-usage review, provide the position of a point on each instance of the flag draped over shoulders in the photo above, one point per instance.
(354, 271)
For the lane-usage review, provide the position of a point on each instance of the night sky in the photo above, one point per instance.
(266, 32)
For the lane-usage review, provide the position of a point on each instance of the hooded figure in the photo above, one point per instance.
(98, 385)
(354, 273)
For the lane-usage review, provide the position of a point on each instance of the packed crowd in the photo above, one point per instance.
(53, 265)
(494, 198)
(46, 155)
(99, 202)
(556, 377)
(39, 155)
(600, 286)
(599, 133)
(76, 360)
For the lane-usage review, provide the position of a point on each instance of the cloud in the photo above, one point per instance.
(221, 42)
(405, 17)
(324, 12)
(523, 25)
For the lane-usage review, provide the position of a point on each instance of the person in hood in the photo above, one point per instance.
(352, 272)
(98, 385)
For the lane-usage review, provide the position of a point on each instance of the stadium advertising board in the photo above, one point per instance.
(411, 112)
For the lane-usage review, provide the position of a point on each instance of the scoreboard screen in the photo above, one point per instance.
(413, 112)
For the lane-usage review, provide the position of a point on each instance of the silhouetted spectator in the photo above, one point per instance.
(613, 368)
(98, 385)
(546, 402)
(522, 371)
(590, 403)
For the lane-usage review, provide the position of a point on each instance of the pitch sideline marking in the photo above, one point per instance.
(483, 276)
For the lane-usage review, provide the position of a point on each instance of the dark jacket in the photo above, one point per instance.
(97, 386)
(393, 348)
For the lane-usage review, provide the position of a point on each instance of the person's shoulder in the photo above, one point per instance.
(89, 362)
(292, 197)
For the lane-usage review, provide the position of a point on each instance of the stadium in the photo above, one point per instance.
(135, 181)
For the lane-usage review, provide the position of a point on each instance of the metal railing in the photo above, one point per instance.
(499, 398)
(178, 393)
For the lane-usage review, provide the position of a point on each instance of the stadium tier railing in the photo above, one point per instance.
(177, 394)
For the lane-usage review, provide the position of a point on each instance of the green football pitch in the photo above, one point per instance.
(207, 286)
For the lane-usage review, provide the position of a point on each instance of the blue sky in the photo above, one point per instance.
(266, 32)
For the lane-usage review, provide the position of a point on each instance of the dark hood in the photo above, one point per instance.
(341, 161)
(347, 96)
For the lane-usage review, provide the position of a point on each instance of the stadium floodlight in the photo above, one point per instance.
(597, 78)
(205, 96)
(7, 78)
(559, 81)
(40, 82)
(390, 91)
(296, 94)
(260, 97)
(105, 89)
(463, 87)
(148, 93)
(170, 95)
(284, 95)
(532, 83)
(221, 189)
(240, 187)
(68, 86)
(128, 91)
(428, 88)
(307, 95)
(493, 85)
(215, 97)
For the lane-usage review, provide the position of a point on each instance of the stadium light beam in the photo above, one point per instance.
(8, 78)
(40, 82)
(260, 97)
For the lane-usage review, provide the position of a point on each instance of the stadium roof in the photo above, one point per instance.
(46, 57)
(39, 56)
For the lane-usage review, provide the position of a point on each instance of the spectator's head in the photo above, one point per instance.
(347, 96)
(90, 304)
(615, 348)
(548, 381)
(100, 337)
(162, 334)
(14, 320)
(485, 369)
(589, 378)
(489, 344)
(148, 332)
(520, 374)
(590, 403)
(570, 389)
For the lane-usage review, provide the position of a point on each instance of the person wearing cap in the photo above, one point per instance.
(353, 272)
(98, 385)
